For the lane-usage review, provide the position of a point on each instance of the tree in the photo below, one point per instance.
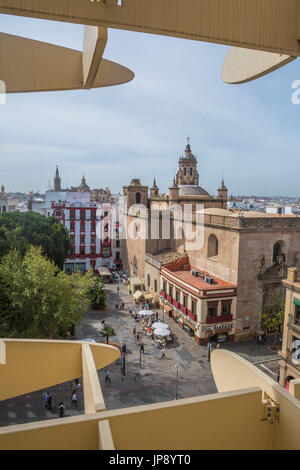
(107, 332)
(37, 300)
(98, 294)
(273, 312)
(36, 230)
(12, 238)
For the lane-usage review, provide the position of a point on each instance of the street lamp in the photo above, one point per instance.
(140, 355)
(208, 349)
(176, 367)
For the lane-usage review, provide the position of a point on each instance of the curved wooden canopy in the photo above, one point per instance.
(27, 65)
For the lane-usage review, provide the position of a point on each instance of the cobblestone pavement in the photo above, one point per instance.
(154, 381)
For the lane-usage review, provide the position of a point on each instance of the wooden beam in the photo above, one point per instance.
(94, 43)
(269, 25)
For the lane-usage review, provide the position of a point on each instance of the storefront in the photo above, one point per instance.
(219, 333)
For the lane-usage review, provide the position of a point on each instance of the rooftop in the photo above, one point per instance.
(182, 270)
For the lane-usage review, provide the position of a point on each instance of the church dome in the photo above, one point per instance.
(191, 190)
(188, 155)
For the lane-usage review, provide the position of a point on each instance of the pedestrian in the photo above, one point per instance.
(123, 305)
(278, 376)
(218, 346)
(47, 399)
(74, 399)
(134, 330)
(49, 403)
(117, 306)
(142, 348)
(107, 377)
(61, 408)
(163, 355)
(138, 337)
(118, 289)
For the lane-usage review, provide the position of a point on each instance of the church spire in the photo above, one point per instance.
(57, 180)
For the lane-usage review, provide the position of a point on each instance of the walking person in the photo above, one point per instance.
(107, 377)
(47, 399)
(138, 337)
(163, 353)
(49, 403)
(142, 348)
(61, 408)
(74, 400)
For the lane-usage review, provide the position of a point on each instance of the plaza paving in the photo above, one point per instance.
(154, 381)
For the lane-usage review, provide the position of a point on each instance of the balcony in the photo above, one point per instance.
(192, 316)
(175, 303)
(163, 294)
(183, 309)
(219, 319)
(169, 298)
(106, 243)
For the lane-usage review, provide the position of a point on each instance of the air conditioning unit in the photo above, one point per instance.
(209, 280)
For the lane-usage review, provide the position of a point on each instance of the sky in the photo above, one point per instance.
(248, 134)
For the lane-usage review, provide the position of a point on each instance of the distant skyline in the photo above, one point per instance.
(248, 134)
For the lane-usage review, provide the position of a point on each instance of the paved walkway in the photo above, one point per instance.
(153, 382)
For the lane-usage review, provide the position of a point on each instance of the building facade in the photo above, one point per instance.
(199, 303)
(290, 363)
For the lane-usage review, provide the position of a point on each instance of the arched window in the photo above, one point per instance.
(58, 213)
(184, 171)
(138, 198)
(149, 280)
(213, 246)
(191, 171)
(278, 252)
(155, 285)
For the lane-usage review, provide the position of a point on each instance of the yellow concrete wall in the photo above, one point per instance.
(219, 421)
(232, 372)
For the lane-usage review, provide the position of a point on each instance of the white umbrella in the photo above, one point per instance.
(160, 324)
(145, 312)
(164, 332)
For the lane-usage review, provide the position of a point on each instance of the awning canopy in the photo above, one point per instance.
(104, 272)
(167, 308)
(297, 302)
(135, 281)
(138, 294)
(148, 296)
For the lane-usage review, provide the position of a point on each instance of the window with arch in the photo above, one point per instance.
(278, 252)
(213, 246)
(148, 280)
(138, 198)
(191, 171)
(58, 213)
(184, 171)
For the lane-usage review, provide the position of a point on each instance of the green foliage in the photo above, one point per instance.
(107, 332)
(37, 300)
(20, 230)
(98, 294)
(273, 312)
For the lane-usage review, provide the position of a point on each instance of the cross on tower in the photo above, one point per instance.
(188, 140)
